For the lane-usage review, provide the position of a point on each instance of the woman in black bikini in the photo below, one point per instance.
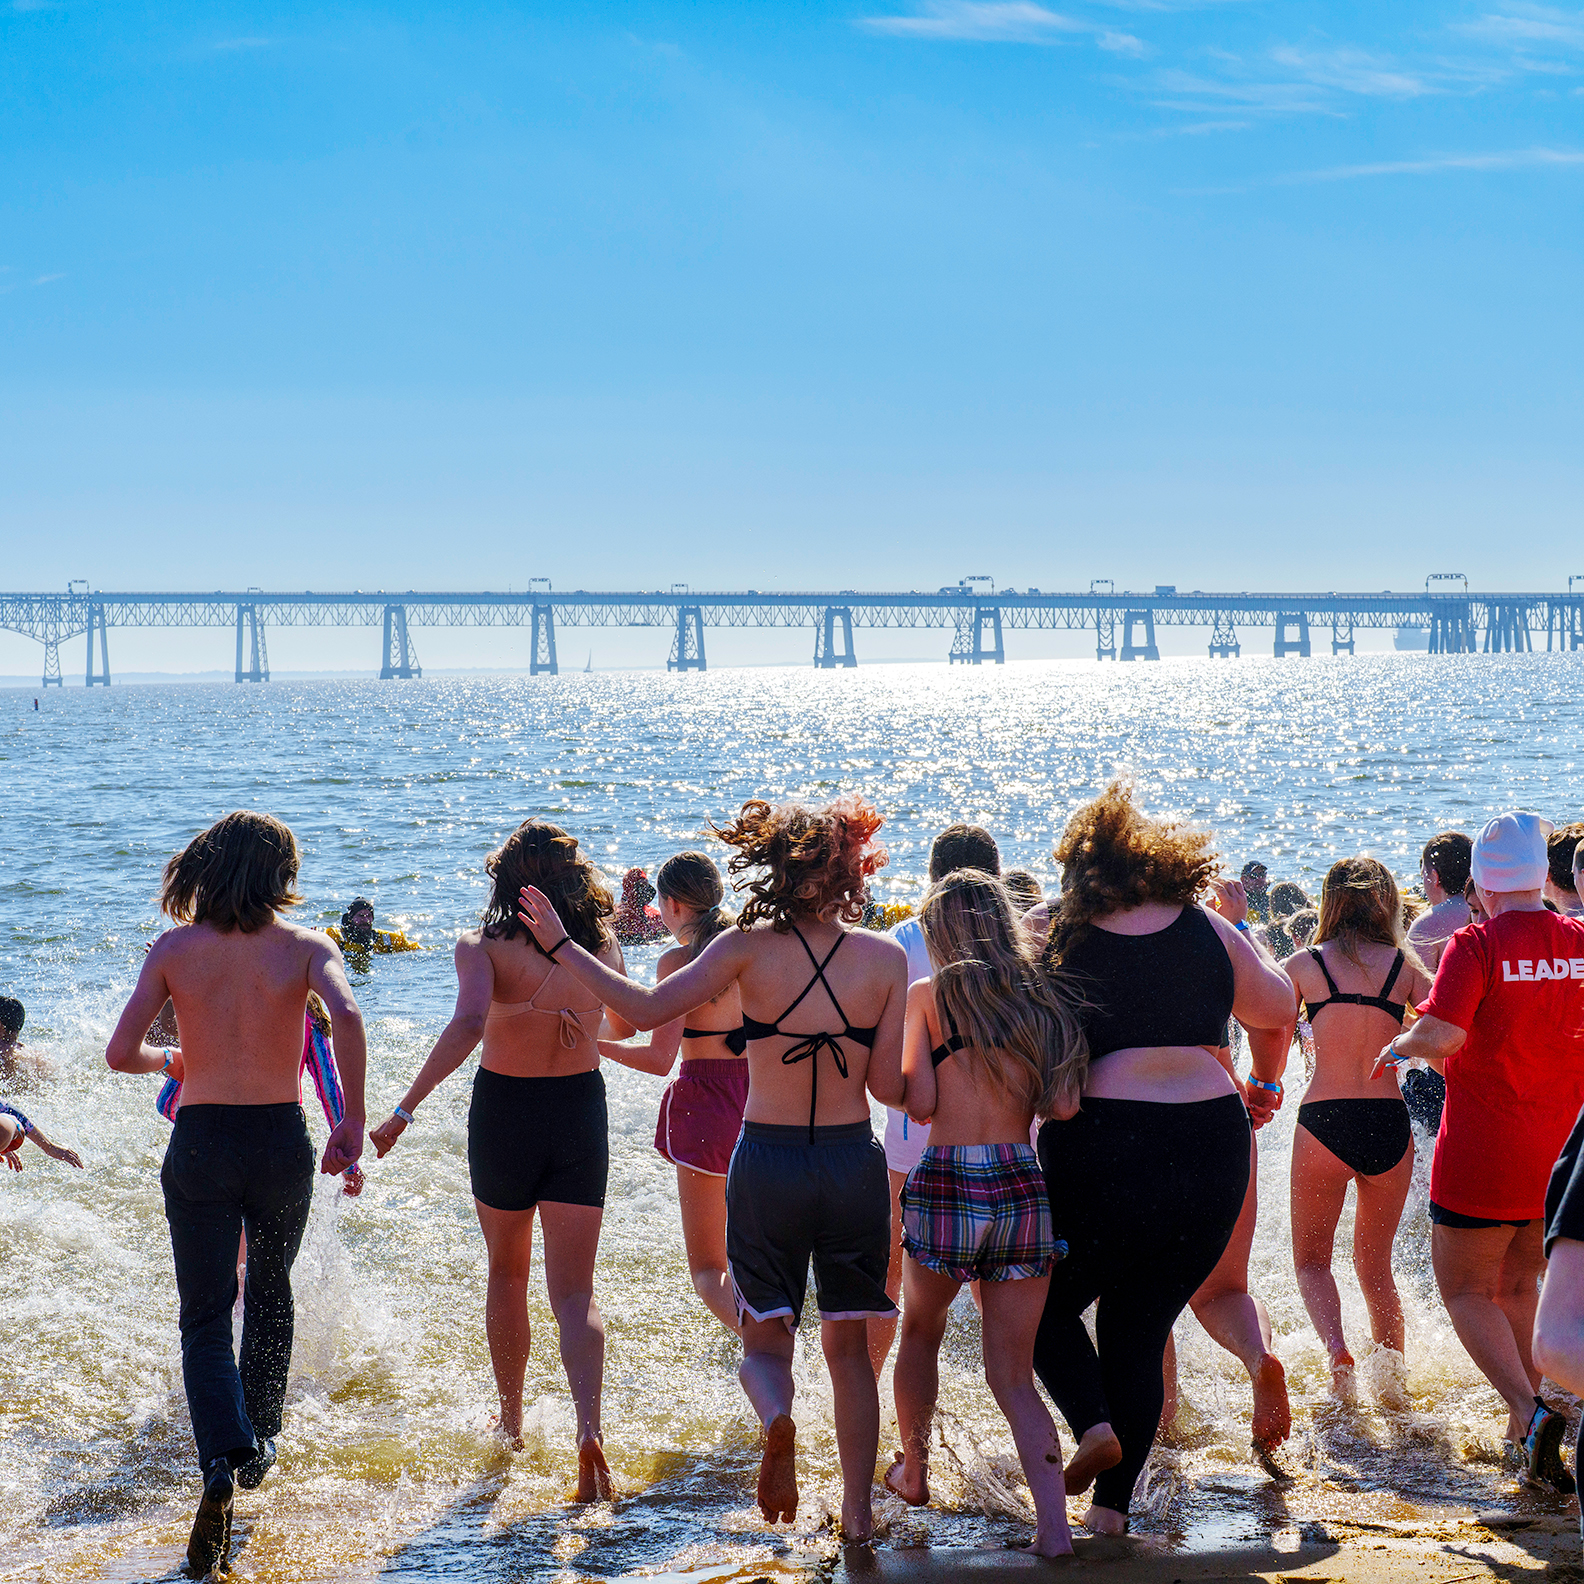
(1356, 984)
(1147, 1181)
(823, 1007)
(537, 1135)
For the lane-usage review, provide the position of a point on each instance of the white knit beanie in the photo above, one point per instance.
(1510, 853)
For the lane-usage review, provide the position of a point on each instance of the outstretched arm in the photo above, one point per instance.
(327, 976)
(475, 987)
(716, 967)
(128, 1050)
(1431, 1039)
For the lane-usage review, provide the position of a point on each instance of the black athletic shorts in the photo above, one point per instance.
(538, 1138)
(1466, 1223)
(789, 1201)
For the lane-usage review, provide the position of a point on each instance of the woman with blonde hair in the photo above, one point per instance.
(537, 1129)
(990, 1044)
(1147, 1180)
(823, 1008)
(701, 1110)
(1352, 1127)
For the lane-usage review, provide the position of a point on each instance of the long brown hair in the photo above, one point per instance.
(691, 880)
(1359, 902)
(811, 860)
(237, 875)
(1113, 856)
(540, 854)
(1020, 1027)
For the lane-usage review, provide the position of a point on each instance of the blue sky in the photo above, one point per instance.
(872, 294)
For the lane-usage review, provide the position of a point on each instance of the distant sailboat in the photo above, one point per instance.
(590, 666)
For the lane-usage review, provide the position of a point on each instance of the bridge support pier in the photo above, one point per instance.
(1341, 633)
(1224, 644)
(400, 657)
(1105, 633)
(826, 655)
(1508, 629)
(687, 648)
(52, 671)
(969, 647)
(1451, 628)
(1139, 651)
(96, 623)
(1298, 622)
(543, 654)
(250, 627)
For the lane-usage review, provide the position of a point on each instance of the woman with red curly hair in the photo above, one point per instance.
(823, 1006)
(1147, 1181)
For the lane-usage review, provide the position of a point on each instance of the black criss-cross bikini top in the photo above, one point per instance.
(1398, 1009)
(809, 1046)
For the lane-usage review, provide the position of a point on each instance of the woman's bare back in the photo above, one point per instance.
(541, 1023)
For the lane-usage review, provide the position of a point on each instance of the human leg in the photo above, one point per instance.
(274, 1216)
(508, 1238)
(701, 1199)
(882, 1328)
(1319, 1191)
(571, 1245)
(856, 1405)
(1378, 1210)
(766, 1377)
(916, 1380)
(1012, 1313)
(1518, 1291)
(1469, 1271)
(1241, 1324)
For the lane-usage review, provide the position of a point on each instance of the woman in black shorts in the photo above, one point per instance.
(536, 1126)
(823, 1007)
(1147, 1181)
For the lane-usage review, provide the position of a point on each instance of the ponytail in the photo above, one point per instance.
(691, 880)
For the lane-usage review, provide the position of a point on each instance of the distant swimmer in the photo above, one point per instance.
(823, 1005)
(1357, 985)
(991, 1042)
(701, 1111)
(18, 1064)
(15, 1129)
(358, 937)
(1148, 1180)
(538, 1133)
(239, 1159)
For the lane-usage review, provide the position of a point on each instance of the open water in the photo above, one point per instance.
(398, 790)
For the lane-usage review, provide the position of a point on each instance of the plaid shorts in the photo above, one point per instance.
(980, 1212)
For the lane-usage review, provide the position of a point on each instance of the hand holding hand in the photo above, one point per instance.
(1388, 1060)
(353, 1185)
(1230, 900)
(385, 1135)
(537, 911)
(344, 1147)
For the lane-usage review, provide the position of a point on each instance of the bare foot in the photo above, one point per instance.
(594, 1475)
(1105, 1521)
(778, 1492)
(1098, 1449)
(857, 1521)
(1272, 1412)
(1057, 1543)
(512, 1438)
(1344, 1379)
(911, 1486)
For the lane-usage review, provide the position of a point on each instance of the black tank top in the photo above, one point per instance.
(1173, 987)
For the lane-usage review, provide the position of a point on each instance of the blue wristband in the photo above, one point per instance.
(404, 1116)
(1269, 1088)
(1242, 924)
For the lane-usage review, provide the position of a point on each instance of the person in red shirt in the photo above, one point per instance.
(1505, 1025)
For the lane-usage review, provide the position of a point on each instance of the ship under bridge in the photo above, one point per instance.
(976, 613)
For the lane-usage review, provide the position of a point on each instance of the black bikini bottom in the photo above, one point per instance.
(1368, 1136)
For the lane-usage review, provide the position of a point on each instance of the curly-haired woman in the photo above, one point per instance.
(824, 1007)
(537, 1126)
(1147, 1180)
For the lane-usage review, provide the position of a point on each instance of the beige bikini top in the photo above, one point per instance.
(571, 1018)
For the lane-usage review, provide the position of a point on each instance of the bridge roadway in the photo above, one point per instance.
(1124, 623)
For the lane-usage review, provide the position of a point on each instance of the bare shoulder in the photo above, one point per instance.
(469, 942)
(315, 941)
(877, 949)
(920, 996)
(1300, 967)
(671, 960)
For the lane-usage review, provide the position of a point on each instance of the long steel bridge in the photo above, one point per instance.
(1446, 617)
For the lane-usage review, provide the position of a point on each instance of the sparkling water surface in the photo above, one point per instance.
(398, 790)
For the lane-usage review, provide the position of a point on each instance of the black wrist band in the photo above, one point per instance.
(557, 947)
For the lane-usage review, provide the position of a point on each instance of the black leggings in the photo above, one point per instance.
(1146, 1196)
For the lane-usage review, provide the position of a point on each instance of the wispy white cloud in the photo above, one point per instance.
(1439, 164)
(1523, 26)
(985, 21)
(1353, 71)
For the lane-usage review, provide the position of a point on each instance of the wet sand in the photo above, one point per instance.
(1502, 1546)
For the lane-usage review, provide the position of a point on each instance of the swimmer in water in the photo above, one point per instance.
(18, 1064)
(538, 1134)
(990, 1043)
(1356, 985)
(239, 974)
(823, 1004)
(15, 1129)
(702, 1109)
